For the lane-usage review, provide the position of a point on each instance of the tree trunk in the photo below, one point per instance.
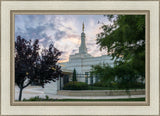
(20, 94)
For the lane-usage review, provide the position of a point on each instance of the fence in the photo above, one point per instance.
(89, 79)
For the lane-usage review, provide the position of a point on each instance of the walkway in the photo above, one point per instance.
(33, 91)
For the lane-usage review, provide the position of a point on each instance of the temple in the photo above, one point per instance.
(82, 62)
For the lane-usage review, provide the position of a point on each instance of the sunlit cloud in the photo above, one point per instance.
(62, 30)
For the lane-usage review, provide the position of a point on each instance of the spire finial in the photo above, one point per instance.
(83, 27)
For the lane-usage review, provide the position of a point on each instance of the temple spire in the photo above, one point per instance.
(82, 48)
(83, 27)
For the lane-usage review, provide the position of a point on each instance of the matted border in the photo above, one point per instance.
(84, 0)
(78, 12)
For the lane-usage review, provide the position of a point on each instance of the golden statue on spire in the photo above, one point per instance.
(83, 27)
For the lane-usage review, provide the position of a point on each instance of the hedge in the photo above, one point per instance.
(75, 86)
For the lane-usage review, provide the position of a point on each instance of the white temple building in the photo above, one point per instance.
(82, 62)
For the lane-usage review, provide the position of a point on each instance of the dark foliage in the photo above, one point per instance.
(26, 56)
(30, 67)
(48, 69)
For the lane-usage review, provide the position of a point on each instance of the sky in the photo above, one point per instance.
(62, 30)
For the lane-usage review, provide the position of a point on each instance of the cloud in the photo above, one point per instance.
(62, 30)
(38, 27)
(59, 34)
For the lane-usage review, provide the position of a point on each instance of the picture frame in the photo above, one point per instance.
(149, 8)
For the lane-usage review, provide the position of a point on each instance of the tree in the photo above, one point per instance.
(105, 73)
(26, 55)
(127, 76)
(74, 75)
(31, 67)
(49, 70)
(124, 39)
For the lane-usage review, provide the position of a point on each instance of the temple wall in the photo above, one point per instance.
(83, 65)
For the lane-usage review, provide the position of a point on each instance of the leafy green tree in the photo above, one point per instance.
(74, 75)
(105, 73)
(124, 40)
(127, 76)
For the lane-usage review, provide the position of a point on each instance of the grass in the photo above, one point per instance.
(50, 99)
(129, 99)
(108, 88)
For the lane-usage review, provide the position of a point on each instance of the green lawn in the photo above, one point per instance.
(49, 99)
(129, 99)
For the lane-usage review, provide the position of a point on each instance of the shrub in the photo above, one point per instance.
(137, 85)
(75, 86)
(100, 84)
(37, 98)
(112, 85)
